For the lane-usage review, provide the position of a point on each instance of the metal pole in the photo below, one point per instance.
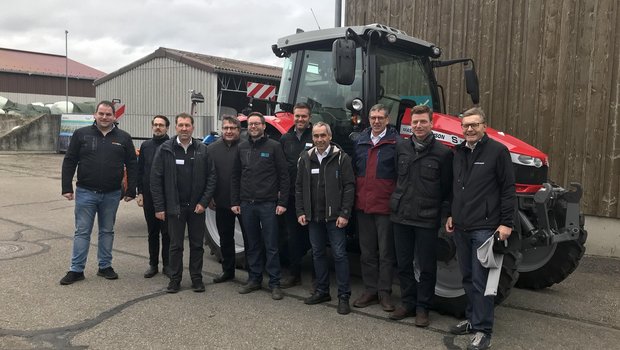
(66, 72)
(338, 14)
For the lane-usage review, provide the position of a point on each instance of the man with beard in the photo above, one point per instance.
(154, 226)
(260, 186)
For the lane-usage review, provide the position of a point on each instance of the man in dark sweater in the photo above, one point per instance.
(182, 184)
(223, 152)
(295, 141)
(483, 203)
(100, 152)
(154, 226)
(260, 186)
(324, 194)
(424, 179)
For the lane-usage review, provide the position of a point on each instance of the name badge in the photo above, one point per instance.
(308, 145)
(264, 154)
(180, 161)
(314, 171)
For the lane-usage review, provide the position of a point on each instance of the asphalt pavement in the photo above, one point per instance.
(36, 312)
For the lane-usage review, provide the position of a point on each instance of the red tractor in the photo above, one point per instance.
(342, 72)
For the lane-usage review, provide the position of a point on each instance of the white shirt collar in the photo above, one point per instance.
(376, 139)
(320, 156)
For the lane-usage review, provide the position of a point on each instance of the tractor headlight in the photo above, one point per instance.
(526, 160)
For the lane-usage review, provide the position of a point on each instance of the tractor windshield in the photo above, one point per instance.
(317, 86)
(401, 77)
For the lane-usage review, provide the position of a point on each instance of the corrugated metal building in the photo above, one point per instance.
(27, 77)
(160, 83)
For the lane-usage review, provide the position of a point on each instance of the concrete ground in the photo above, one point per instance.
(36, 230)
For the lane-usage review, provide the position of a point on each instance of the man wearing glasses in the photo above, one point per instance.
(375, 169)
(154, 226)
(483, 203)
(223, 152)
(260, 186)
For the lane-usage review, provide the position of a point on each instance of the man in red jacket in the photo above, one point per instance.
(375, 169)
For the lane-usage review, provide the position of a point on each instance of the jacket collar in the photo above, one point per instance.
(390, 136)
(481, 143)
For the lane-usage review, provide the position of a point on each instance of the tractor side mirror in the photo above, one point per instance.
(471, 82)
(343, 58)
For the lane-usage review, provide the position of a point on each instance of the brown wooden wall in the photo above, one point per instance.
(549, 74)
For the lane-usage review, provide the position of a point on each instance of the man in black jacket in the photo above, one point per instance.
(182, 183)
(424, 178)
(324, 194)
(154, 226)
(260, 186)
(295, 141)
(100, 153)
(483, 203)
(223, 152)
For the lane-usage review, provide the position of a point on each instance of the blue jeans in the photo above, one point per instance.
(479, 309)
(259, 219)
(320, 232)
(419, 243)
(87, 204)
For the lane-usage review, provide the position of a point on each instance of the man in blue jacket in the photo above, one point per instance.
(483, 203)
(100, 152)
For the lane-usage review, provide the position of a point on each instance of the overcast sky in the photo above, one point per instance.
(108, 35)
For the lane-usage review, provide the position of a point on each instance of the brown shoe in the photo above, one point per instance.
(400, 313)
(366, 299)
(421, 319)
(386, 303)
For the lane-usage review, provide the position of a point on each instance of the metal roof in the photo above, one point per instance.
(37, 63)
(203, 62)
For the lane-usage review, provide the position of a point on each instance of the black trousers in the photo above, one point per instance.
(196, 228)
(413, 242)
(225, 222)
(155, 227)
(298, 239)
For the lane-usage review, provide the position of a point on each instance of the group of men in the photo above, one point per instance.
(398, 188)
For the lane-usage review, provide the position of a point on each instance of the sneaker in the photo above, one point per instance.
(198, 286)
(480, 341)
(249, 287)
(461, 328)
(107, 273)
(173, 287)
(152, 271)
(290, 281)
(72, 277)
(276, 293)
(317, 298)
(343, 306)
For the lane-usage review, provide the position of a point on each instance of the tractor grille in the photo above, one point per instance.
(530, 175)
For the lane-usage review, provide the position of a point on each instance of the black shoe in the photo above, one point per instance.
(343, 306)
(276, 293)
(317, 298)
(290, 281)
(461, 328)
(72, 277)
(166, 271)
(226, 276)
(152, 271)
(480, 341)
(198, 286)
(249, 287)
(107, 273)
(173, 287)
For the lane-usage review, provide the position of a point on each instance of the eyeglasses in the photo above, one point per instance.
(227, 128)
(471, 125)
(379, 119)
(255, 124)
